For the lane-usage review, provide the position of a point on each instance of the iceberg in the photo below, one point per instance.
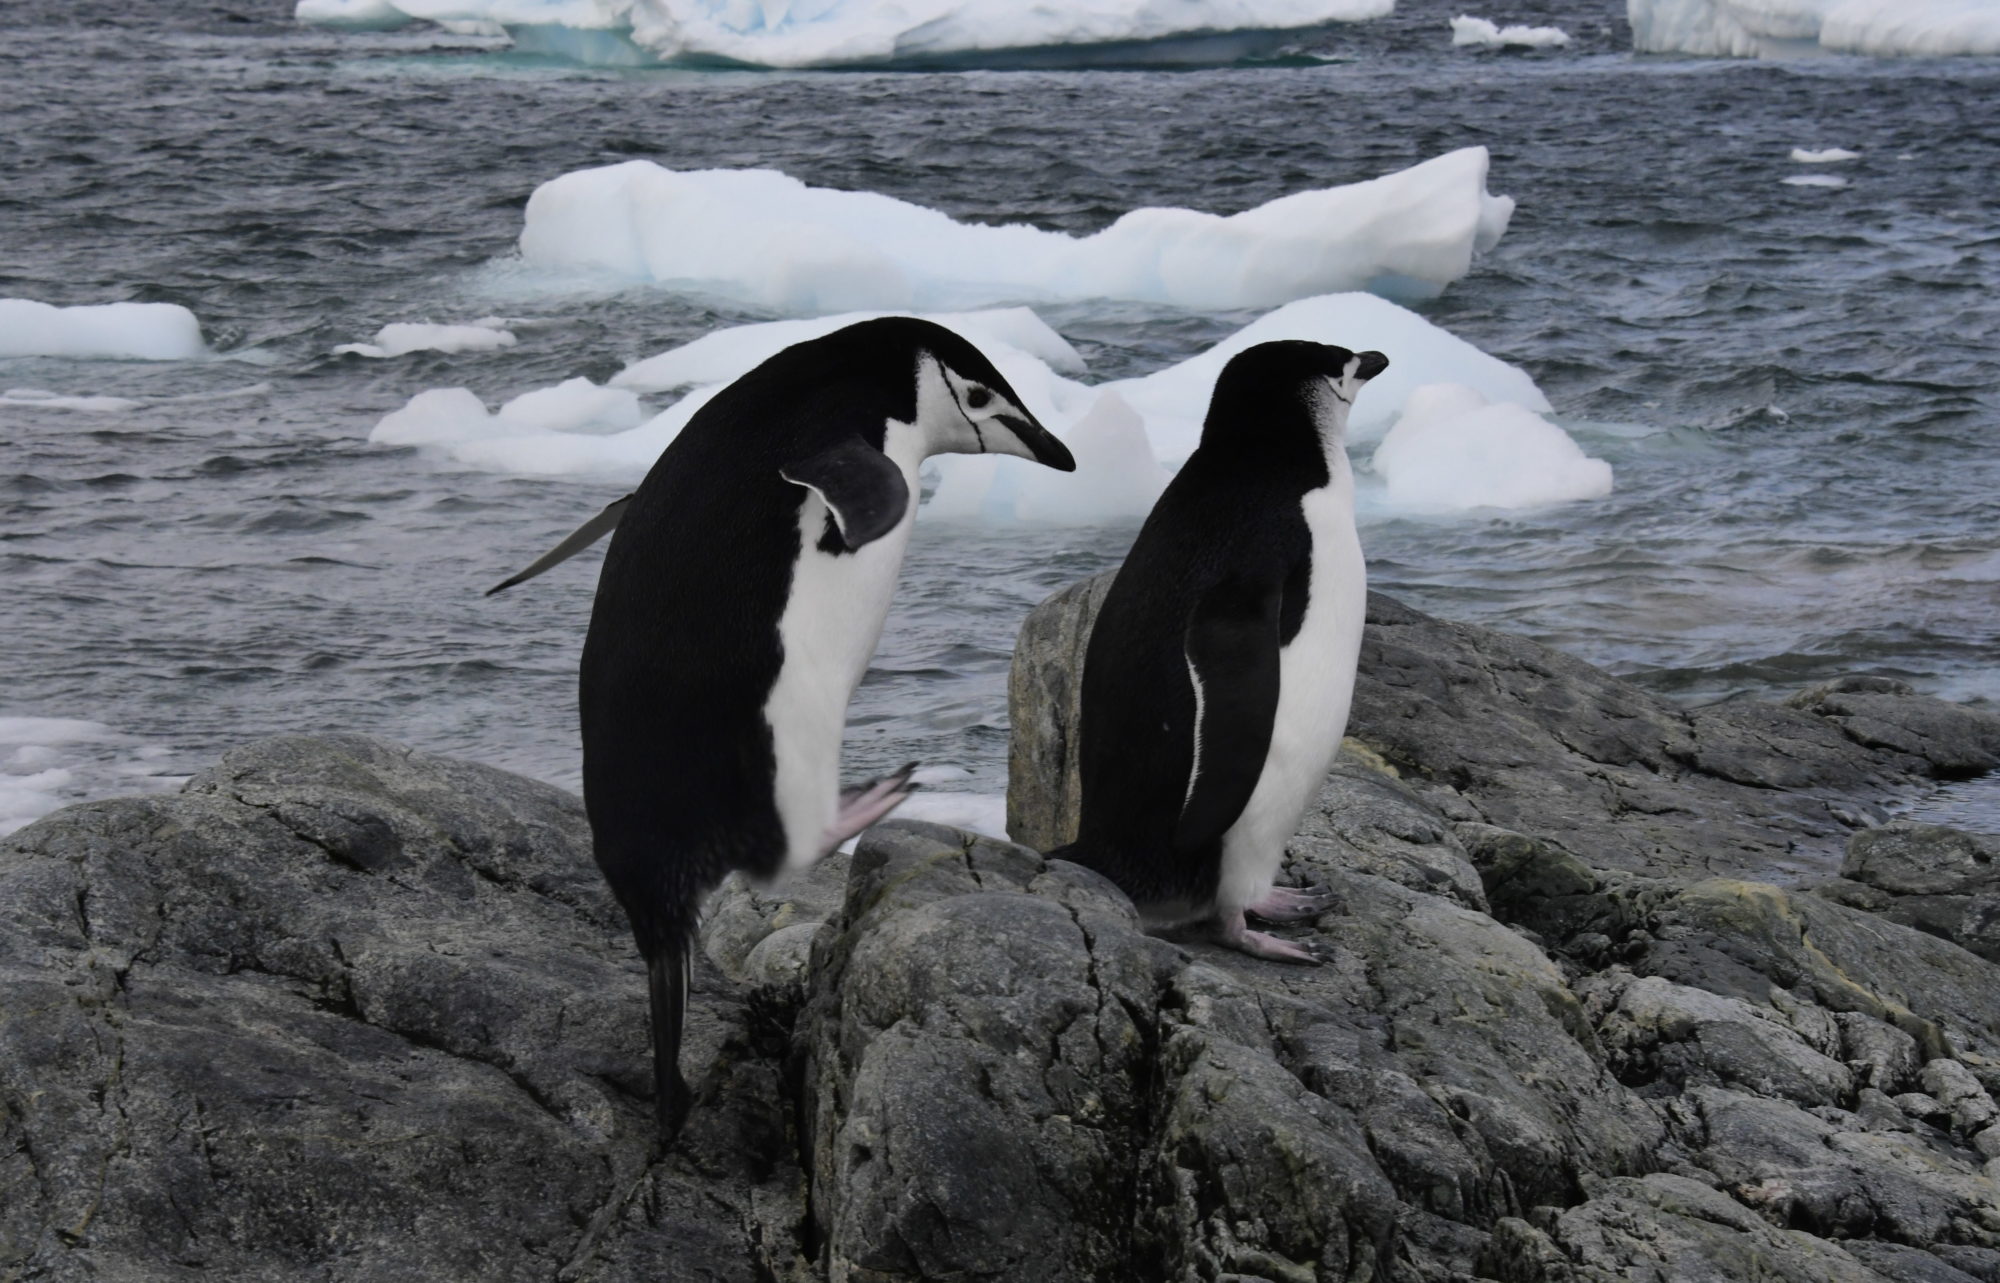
(1128, 436)
(1790, 28)
(1482, 34)
(851, 33)
(1453, 450)
(404, 337)
(761, 238)
(115, 331)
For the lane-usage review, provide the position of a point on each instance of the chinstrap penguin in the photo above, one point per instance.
(742, 595)
(1220, 668)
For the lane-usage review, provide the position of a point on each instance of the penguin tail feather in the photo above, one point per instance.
(667, 978)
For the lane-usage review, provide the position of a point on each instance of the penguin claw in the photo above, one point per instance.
(1287, 904)
(1231, 933)
(866, 804)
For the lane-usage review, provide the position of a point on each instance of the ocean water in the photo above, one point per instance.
(1795, 384)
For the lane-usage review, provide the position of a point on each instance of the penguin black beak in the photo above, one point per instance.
(1040, 442)
(1372, 364)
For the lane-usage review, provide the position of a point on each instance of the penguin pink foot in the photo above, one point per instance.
(1287, 904)
(1231, 933)
(864, 804)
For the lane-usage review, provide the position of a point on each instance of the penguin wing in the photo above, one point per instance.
(863, 490)
(1232, 657)
(586, 534)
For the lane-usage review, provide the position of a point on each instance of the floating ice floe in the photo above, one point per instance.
(851, 33)
(403, 337)
(42, 399)
(759, 237)
(1453, 450)
(1789, 28)
(1825, 156)
(1128, 436)
(1480, 33)
(1814, 180)
(129, 331)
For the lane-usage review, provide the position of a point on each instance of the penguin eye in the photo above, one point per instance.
(978, 398)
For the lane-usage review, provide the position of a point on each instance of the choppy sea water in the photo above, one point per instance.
(1794, 384)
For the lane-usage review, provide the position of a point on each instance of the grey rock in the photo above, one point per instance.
(1959, 1092)
(1884, 1055)
(1923, 859)
(1904, 1264)
(343, 1007)
(1658, 1029)
(1044, 695)
(1561, 751)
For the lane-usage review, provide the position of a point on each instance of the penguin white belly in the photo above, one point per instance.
(1315, 689)
(833, 619)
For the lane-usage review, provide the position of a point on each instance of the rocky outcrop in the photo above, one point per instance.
(341, 1011)
(1926, 876)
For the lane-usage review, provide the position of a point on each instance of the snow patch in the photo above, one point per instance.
(1480, 33)
(759, 237)
(1453, 450)
(117, 331)
(403, 337)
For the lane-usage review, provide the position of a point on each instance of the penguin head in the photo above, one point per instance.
(1267, 393)
(966, 406)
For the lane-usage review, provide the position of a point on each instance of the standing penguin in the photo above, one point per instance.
(1219, 672)
(741, 598)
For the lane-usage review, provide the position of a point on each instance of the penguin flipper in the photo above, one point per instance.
(1232, 656)
(586, 534)
(863, 490)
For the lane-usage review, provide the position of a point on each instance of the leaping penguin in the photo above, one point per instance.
(1219, 672)
(742, 595)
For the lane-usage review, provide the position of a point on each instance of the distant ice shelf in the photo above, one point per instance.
(856, 33)
(1793, 28)
(1480, 441)
(759, 237)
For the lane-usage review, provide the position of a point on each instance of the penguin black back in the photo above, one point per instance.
(685, 663)
(1181, 674)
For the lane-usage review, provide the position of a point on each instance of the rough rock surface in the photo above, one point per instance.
(1929, 877)
(340, 1011)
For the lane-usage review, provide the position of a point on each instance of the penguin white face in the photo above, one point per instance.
(1344, 386)
(964, 413)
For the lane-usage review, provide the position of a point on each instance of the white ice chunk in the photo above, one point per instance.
(403, 337)
(351, 15)
(840, 33)
(759, 237)
(1173, 401)
(722, 355)
(1785, 28)
(39, 399)
(1127, 436)
(1826, 156)
(1453, 450)
(1815, 180)
(136, 331)
(575, 406)
(1480, 33)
